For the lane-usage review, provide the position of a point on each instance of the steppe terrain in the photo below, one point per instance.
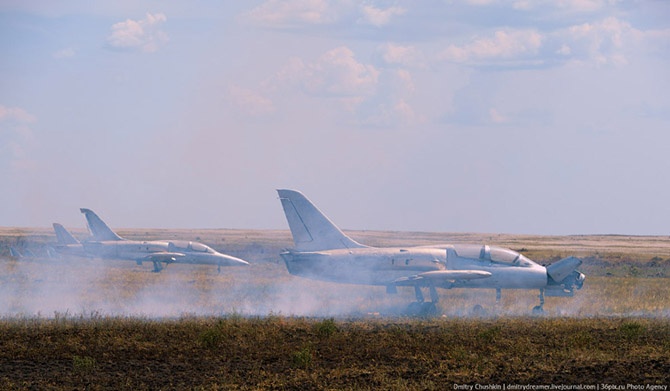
(94, 324)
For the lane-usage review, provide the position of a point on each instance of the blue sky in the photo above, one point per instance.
(540, 117)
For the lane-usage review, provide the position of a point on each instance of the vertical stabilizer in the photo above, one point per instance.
(311, 229)
(99, 230)
(14, 252)
(63, 236)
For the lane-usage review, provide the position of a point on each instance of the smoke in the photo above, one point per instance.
(47, 287)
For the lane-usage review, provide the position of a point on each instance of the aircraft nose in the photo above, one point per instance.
(229, 260)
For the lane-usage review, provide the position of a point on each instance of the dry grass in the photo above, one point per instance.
(296, 353)
(92, 324)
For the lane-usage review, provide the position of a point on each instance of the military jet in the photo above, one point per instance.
(323, 252)
(105, 243)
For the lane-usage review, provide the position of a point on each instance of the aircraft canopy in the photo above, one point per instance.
(494, 254)
(192, 246)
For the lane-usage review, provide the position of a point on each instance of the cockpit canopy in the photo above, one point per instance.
(493, 254)
(190, 246)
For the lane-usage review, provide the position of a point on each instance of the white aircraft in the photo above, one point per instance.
(323, 252)
(105, 243)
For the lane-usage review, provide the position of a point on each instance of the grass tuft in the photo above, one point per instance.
(303, 358)
(326, 327)
(83, 364)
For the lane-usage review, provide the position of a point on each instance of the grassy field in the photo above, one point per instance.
(304, 354)
(93, 324)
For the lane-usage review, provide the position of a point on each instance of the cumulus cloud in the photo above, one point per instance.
(296, 13)
(582, 5)
(144, 35)
(250, 102)
(282, 13)
(602, 42)
(15, 115)
(379, 17)
(503, 45)
(64, 53)
(571, 6)
(15, 136)
(391, 105)
(335, 73)
(496, 117)
(365, 94)
(399, 55)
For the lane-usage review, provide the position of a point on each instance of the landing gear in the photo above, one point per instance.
(421, 307)
(478, 310)
(539, 309)
(157, 266)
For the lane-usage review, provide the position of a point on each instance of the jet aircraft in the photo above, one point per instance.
(105, 243)
(323, 252)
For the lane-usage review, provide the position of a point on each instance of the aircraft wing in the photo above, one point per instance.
(163, 257)
(442, 275)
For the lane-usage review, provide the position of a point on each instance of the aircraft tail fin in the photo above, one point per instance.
(14, 252)
(63, 236)
(311, 229)
(98, 228)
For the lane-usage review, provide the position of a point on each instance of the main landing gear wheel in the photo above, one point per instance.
(421, 307)
(478, 310)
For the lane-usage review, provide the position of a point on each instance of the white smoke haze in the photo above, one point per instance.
(46, 288)
(41, 286)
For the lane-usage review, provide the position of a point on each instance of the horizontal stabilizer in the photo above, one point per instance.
(560, 270)
(444, 275)
(63, 236)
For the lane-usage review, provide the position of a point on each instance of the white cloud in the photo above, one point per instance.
(496, 116)
(15, 136)
(250, 102)
(379, 17)
(364, 94)
(15, 115)
(295, 13)
(64, 53)
(582, 5)
(391, 105)
(282, 13)
(602, 42)
(504, 45)
(564, 50)
(144, 34)
(338, 72)
(406, 56)
(569, 6)
(335, 73)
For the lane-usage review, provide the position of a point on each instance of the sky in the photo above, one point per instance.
(518, 116)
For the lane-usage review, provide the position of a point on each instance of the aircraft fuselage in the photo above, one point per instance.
(383, 266)
(370, 266)
(166, 251)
